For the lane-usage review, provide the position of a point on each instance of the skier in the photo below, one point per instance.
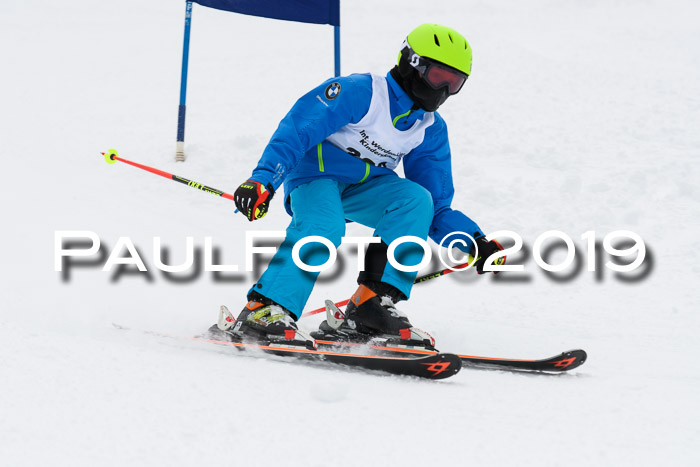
(336, 151)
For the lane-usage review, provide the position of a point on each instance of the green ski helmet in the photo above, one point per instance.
(434, 63)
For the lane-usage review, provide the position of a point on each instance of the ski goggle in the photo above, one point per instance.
(436, 74)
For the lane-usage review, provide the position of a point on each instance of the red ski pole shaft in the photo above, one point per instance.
(424, 278)
(111, 156)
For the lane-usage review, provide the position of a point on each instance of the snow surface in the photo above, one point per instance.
(578, 116)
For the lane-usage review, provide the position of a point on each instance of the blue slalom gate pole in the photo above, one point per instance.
(336, 35)
(180, 149)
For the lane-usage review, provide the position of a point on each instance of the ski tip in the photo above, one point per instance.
(567, 360)
(440, 366)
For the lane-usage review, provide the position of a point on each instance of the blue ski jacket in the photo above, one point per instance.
(298, 153)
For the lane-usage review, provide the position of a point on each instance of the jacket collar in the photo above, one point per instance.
(399, 100)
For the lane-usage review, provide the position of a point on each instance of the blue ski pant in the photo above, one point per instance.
(394, 207)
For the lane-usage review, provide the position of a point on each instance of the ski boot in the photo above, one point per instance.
(371, 317)
(262, 321)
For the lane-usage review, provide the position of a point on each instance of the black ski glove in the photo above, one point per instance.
(253, 199)
(486, 249)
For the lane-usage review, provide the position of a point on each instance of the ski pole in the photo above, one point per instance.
(424, 278)
(111, 157)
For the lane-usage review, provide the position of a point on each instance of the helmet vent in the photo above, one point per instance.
(437, 42)
(465, 45)
(450, 36)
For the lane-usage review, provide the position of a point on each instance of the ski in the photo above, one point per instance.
(434, 366)
(393, 345)
(559, 363)
(563, 362)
